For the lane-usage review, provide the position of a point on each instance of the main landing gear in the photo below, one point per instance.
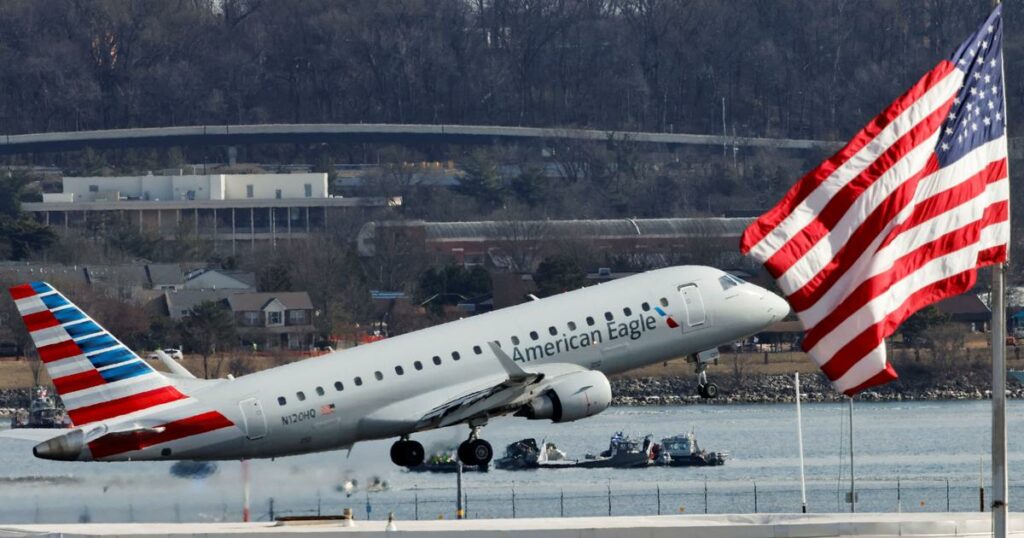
(475, 451)
(407, 453)
(704, 388)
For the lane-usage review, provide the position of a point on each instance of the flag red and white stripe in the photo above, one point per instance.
(899, 218)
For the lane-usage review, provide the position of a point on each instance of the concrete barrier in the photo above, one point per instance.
(683, 526)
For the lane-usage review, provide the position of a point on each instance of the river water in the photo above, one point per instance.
(909, 456)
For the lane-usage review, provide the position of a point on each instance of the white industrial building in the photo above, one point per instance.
(225, 208)
(191, 187)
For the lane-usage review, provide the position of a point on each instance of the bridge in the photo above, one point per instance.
(229, 135)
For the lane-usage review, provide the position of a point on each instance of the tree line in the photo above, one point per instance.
(800, 68)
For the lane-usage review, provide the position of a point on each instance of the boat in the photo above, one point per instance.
(195, 470)
(623, 452)
(43, 412)
(525, 454)
(682, 451)
(445, 462)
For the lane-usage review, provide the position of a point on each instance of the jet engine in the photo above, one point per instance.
(65, 447)
(571, 397)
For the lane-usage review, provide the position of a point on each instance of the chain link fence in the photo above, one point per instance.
(514, 501)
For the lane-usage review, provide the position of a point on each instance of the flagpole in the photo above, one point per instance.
(800, 444)
(853, 490)
(999, 475)
(1000, 487)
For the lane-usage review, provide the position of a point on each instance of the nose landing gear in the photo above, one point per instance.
(407, 453)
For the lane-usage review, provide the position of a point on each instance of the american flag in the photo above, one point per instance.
(900, 218)
(326, 409)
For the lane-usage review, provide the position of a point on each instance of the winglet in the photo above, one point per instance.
(515, 373)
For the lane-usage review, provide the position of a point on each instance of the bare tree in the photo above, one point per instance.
(523, 242)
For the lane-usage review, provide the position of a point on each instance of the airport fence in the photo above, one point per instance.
(513, 501)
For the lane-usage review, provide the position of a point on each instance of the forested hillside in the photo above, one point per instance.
(798, 68)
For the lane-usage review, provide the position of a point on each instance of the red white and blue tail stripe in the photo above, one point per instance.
(96, 376)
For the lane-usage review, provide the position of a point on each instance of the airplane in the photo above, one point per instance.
(545, 359)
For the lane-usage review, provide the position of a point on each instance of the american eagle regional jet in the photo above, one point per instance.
(546, 359)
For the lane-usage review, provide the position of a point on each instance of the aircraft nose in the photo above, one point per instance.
(767, 310)
(777, 307)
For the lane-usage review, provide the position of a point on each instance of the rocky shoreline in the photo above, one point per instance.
(11, 400)
(779, 389)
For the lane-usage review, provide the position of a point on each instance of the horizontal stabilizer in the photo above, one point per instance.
(173, 365)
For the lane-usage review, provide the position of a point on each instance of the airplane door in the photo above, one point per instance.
(255, 420)
(694, 304)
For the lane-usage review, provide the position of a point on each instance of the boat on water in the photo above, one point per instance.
(445, 462)
(683, 451)
(623, 452)
(193, 470)
(43, 412)
(525, 454)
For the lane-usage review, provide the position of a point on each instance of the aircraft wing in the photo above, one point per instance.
(518, 389)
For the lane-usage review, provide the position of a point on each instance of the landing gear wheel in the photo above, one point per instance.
(476, 452)
(407, 453)
(709, 390)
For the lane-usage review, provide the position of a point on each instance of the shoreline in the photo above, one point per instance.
(774, 388)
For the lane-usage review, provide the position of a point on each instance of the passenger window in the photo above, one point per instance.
(645, 307)
(338, 386)
(533, 335)
(301, 396)
(552, 331)
(455, 357)
(437, 361)
(378, 375)
(319, 391)
(608, 316)
(590, 321)
(477, 350)
(663, 301)
(359, 381)
(418, 365)
(399, 370)
(627, 311)
(515, 340)
(572, 325)
(281, 400)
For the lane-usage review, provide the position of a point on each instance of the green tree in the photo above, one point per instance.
(20, 234)
(481, 180)
(529, 186)
(452, 284)
(207, 327)
(274, 276)
(558, 274)
(918, 324)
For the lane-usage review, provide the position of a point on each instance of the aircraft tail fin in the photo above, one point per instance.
(96, 376)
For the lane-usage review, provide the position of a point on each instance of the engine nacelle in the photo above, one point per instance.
(67, 447)
(571, 397)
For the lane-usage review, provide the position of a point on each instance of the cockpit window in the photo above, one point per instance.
(729, 281)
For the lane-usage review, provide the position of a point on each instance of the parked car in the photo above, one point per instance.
(175, 354)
